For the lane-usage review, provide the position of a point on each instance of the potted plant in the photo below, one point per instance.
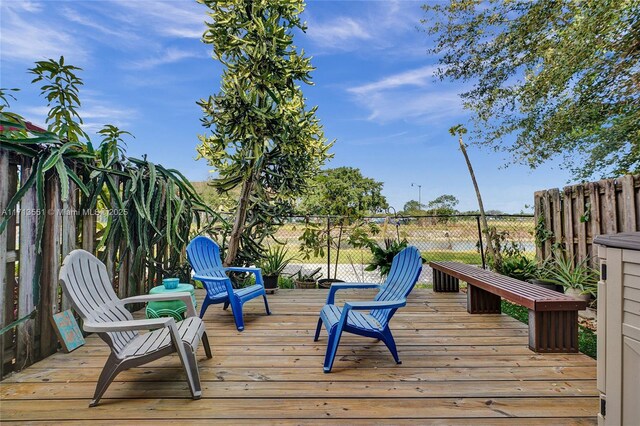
(304, 279)
(383, 256)
(542, 277)
(272, 264)
(579, 280)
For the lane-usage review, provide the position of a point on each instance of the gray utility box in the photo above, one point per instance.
(619, 329)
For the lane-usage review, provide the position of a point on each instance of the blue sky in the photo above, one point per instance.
(145, 67)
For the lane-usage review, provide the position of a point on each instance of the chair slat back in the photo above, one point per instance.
(203, 255)
(405, 270)
(85, 281)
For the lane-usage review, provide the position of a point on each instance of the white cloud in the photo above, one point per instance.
(373, 26)
(28, 37)
(418, 77)
(169, 56)
(408, 96)
(94, 112)
(338, 33)
(182, 19)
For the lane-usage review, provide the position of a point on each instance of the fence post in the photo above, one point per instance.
(329, 247)
(25, 332)
(484, 263)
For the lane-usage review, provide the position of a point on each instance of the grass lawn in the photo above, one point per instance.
(587, 339)
(364, 256)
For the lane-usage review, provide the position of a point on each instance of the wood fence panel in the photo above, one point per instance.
(537, 208)
(69, 231)
(587, 210)
(25, 332)
(6, 292)
(628, 204)
(556, 210)
(51, 245)
(10, 268)
(568, 224)
(33, 339)
(580, 221)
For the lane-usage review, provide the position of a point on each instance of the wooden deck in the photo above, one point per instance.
(457, 369)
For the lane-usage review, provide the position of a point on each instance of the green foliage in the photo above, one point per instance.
(541, 233)
(285, 282)
(412, 207)
(264, 140)
(153, 208)
(559, 75)
(307, 276)
(383, 256)
(61, 91)
(519, 267)
(344, 191)
(565, 271)
(443, 205)
(275, 260)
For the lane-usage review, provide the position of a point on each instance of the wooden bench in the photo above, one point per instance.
(553, 316)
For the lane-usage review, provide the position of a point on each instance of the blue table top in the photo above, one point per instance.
(162, 289)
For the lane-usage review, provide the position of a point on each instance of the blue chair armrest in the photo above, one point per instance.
(256, 271)
(341, 286)
(388, 304)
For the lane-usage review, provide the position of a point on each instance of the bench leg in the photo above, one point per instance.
(445, 283)
(553, 331)
(482, 302)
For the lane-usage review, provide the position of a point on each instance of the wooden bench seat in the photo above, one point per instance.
(553, 316)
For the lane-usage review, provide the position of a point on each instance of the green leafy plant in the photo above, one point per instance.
(306, 276)
(519, 267)
(153, 208)
(275, 260)
(383, 256)
(565, 271)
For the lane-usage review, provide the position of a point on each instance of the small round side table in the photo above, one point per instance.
(170, 308)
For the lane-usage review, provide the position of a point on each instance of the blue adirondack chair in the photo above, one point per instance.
(404, 273)
(204, 256)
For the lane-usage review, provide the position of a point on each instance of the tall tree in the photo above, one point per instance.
(459, 130)
(412, 207)
(264, 139)
(443, 205)
(344, 191)
(560, 76)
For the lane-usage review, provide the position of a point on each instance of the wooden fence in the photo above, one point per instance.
(30, 289)
(572, 217)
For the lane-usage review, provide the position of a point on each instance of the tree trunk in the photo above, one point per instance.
(483, 217)
(238, 224)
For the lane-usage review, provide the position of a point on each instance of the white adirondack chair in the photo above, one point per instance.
(85, 281)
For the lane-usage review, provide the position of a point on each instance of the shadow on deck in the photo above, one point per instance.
(457, 368)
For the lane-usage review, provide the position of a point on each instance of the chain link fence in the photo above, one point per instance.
(330, 243)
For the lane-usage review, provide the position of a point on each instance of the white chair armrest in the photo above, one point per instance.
(144, 324)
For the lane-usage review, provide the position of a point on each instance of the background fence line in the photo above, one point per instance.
(439, 238)
(572, 217)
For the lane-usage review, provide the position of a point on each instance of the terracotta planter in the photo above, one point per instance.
(304, 284)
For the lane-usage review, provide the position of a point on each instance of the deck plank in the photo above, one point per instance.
(457, 368)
